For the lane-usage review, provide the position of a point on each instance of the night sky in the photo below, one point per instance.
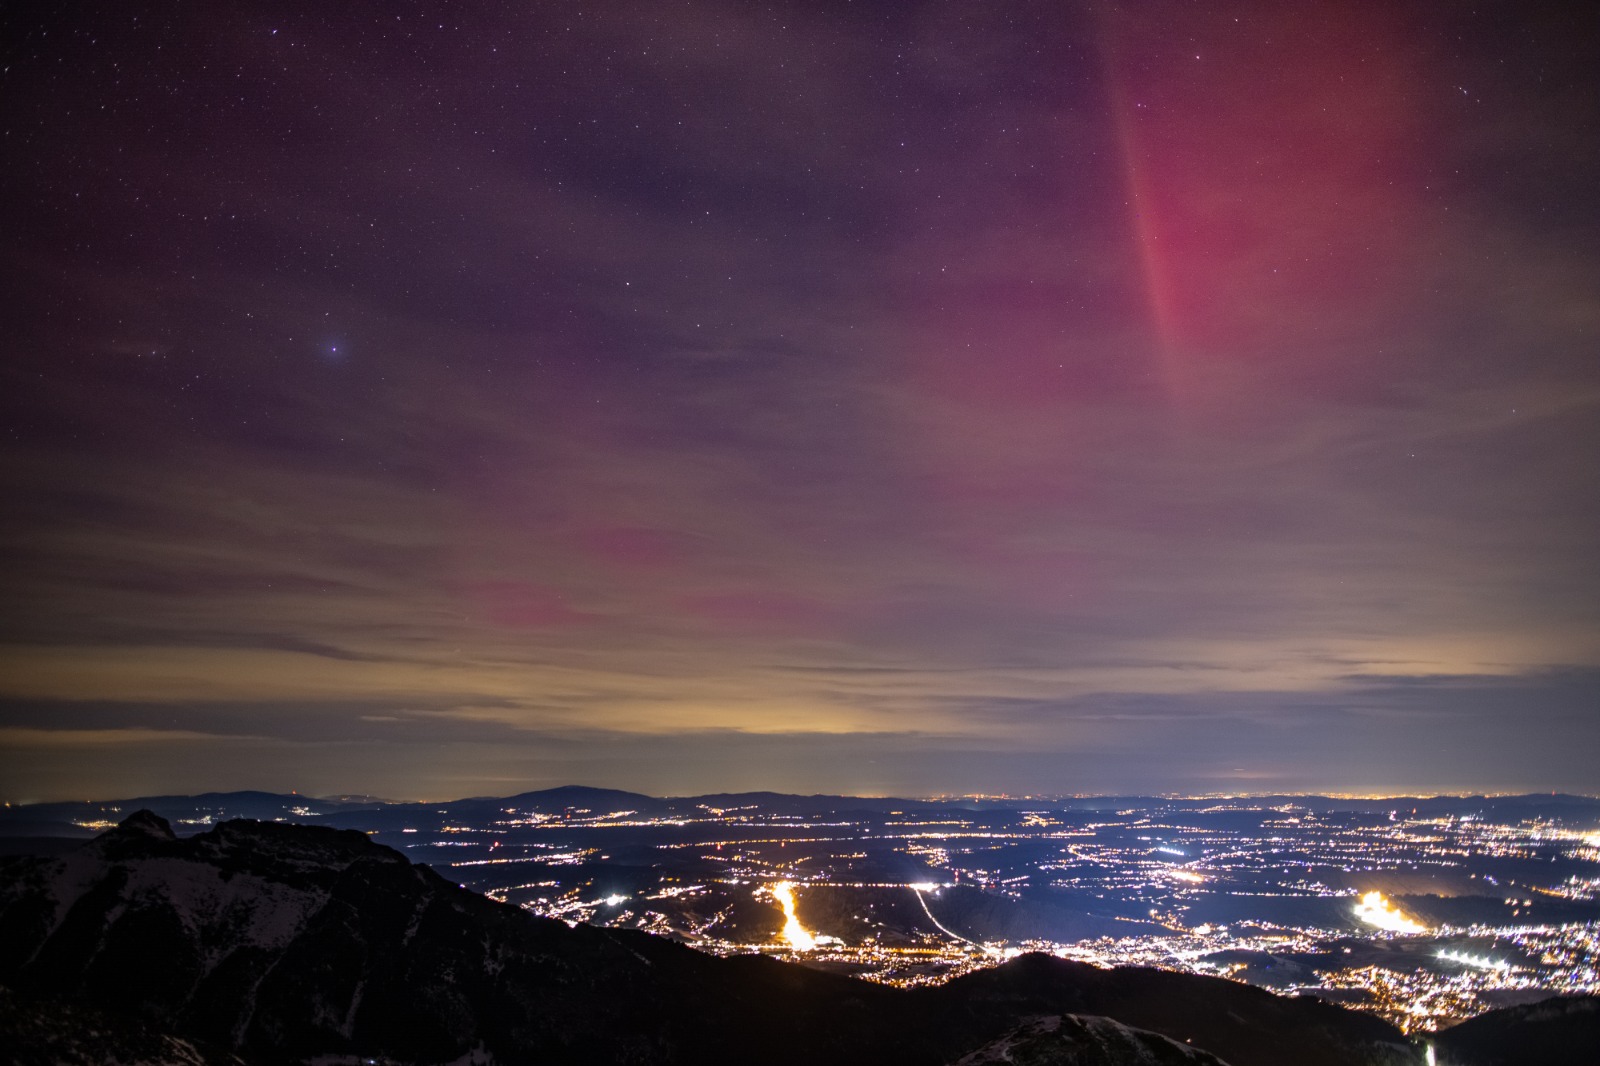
(440, 400)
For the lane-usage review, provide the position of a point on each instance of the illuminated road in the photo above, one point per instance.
(918, 889)
(793, 931)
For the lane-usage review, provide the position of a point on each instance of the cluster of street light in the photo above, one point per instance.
(1424, 919)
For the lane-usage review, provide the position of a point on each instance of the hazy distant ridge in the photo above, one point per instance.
(67, 818)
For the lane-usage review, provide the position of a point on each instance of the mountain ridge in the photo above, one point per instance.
(283, 943)
(69, 817)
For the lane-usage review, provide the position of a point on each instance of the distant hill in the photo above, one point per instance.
(599, 800)
(802, 806)
(69, 818)
(282, 943)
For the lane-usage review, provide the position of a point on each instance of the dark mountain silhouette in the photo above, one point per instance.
(1562, 1031)
(1242, 1024)
(283, 943)
(600, 800)
(555, 801)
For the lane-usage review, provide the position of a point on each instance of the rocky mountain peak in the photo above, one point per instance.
(145, 823)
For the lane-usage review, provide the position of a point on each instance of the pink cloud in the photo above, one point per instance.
(523, 605)
(761, 612)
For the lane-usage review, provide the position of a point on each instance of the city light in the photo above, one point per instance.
(920, 897)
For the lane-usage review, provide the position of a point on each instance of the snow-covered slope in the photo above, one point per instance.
(1079, 1040)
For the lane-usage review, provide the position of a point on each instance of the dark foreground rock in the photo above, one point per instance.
(280, 944)
(52, 1033)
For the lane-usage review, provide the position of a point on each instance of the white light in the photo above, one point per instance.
(1477, 962)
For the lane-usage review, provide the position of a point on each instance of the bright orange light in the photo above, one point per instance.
(793, 931)
(1375, 910)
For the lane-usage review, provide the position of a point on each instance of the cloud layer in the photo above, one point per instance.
(909, 398)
